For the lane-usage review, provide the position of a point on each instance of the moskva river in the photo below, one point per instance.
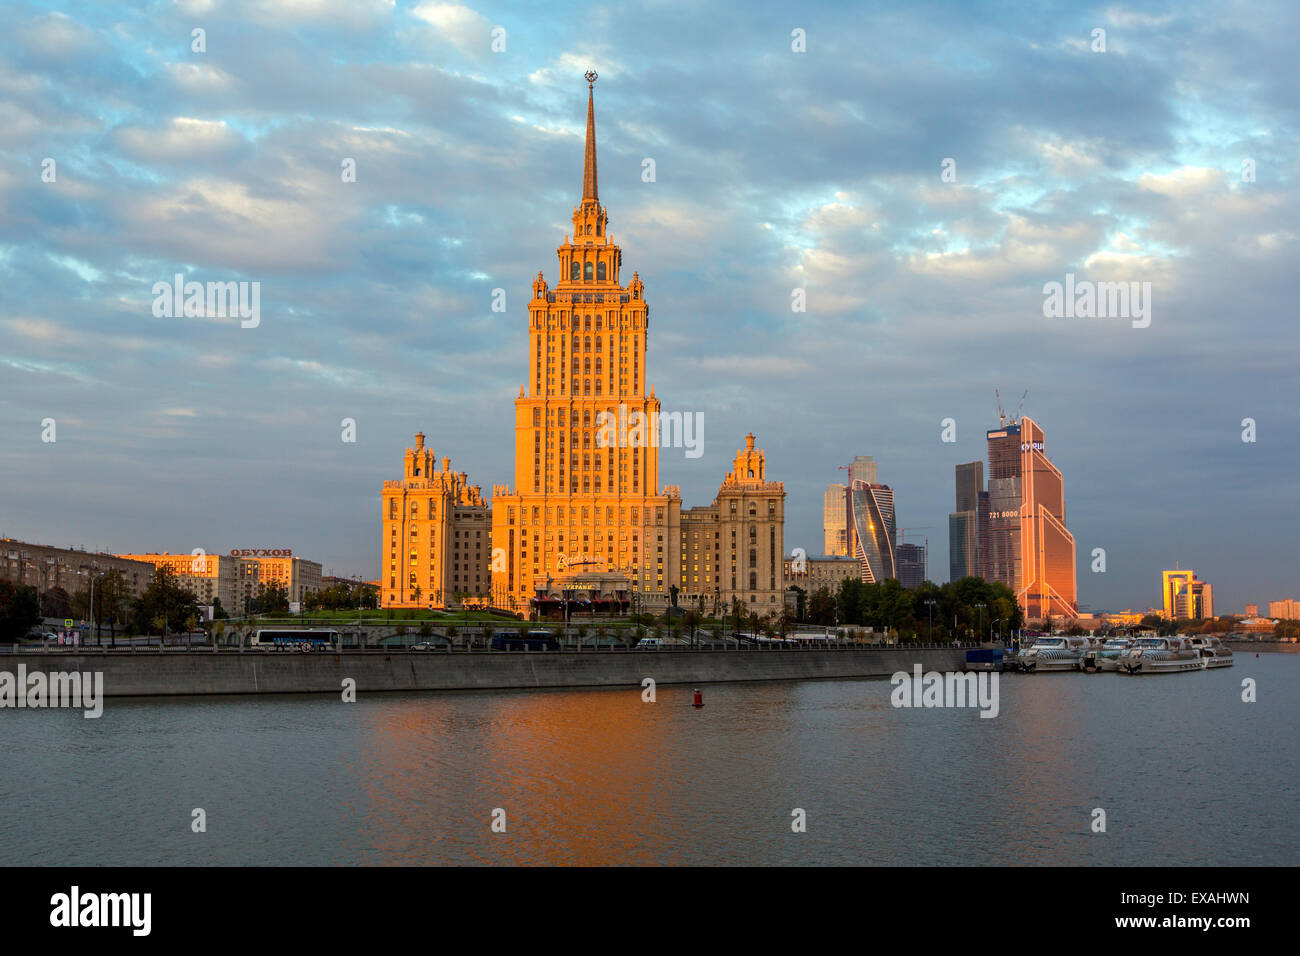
(1177, 767)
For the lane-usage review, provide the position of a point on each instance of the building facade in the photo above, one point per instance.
(835, 520)
(911, 565)
(813, 574)
(733, 550)
(963, 523)
(297, 576)
(1024, 542)
(580, 502)
(1171, 582)
(1288, 610)
(1194, 601)
(45, 567)
(437, 534)
(235, 581)
(871, 530)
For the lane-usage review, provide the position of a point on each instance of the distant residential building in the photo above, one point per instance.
(835, 521)
(1252, 610)
(911, 565)
(45, 567)
(733, 550)
(823, 572)
(437, 534)
(297, 576)
(872, 531)
(1288, 610)
(235, 581)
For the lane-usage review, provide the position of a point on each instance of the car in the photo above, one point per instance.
(427, 646)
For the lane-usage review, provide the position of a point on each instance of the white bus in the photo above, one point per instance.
(295, 639)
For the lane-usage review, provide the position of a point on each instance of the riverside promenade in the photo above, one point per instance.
(154, 672)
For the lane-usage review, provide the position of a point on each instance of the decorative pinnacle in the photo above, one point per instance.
(590, 76)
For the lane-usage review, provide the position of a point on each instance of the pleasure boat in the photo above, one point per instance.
(1212, 650)
(1053, 653)
(1106, 657)
(1160, 655)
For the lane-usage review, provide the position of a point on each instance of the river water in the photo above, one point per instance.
(1185, 771)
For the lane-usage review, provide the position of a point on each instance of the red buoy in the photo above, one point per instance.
(699, 699)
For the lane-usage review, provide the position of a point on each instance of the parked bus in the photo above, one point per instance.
(300, 639)
(532, 641)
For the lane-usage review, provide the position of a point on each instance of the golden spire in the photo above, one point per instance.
(589, 165)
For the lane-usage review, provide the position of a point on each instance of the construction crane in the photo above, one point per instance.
(1002, 416)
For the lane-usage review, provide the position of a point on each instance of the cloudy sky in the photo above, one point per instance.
(775, 170)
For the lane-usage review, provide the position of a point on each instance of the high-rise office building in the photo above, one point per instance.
(863, 468)
(963, 524)
(969, 484)
(1194, 601)
(1170, 583)
(962, 551)
(911, 565)
(871, 530)
(835, 521)
(1024, 542)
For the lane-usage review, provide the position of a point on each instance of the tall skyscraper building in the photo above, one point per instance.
(1194, 601)
(575, 504)
(963, 524)
(871, 530)
(1170, 583)
(911, 565)
(1025, 543)
(835, 520)
(969, 484)
(863, 468)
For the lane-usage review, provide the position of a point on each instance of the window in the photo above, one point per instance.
(575, 271)
(586, 272)
(600, 271)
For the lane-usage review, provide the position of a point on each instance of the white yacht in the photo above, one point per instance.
(1160, 655)
(1053, 653)
(1106, 657)
(1212, 650)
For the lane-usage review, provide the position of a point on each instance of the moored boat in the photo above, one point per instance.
(1053, 653)
(1212, 650)
(1106, 657)
(1160, 655)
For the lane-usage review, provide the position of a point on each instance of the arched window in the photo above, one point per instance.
(597, 323)
(586, 271)
(589, 233)
(586, 344)
(575, 270)
(598, 388)
(600, 271)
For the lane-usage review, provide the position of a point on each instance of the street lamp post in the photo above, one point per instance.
(930, 602)
(981, 607)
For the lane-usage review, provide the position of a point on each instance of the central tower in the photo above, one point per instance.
(579, 505)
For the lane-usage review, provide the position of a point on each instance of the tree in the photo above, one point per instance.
(165, 605)
(56, 603)
(20, 611)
